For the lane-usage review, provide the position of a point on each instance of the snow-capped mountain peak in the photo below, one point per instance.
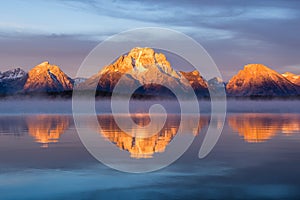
(12, 81)
(144, 66)
(12, 74)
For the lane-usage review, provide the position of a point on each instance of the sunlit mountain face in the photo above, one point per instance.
(198, 83)
(143, 147)
(151, 70)
(262, 127)
(259, 80)
(47, 78)
(292, 77)
(46, 129)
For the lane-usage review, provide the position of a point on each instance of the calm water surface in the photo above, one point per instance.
(257, 156)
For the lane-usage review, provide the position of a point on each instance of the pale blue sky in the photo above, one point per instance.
(233, 32)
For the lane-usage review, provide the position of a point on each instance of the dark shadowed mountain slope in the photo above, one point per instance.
(12, 81)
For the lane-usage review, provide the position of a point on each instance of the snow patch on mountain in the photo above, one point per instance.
(12, 74)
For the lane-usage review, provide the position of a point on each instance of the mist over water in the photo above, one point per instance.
(35, 106)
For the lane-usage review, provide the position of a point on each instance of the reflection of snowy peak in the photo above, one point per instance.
(143, 66)
(47, 78)
(12, 81)
(259, 80)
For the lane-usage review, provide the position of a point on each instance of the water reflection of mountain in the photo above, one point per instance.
(47, 128)
(262, 127)
(143, 147)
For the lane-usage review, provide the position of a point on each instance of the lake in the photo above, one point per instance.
(257, 156)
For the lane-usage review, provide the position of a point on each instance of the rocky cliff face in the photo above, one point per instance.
(197, 82)
(259, 80)
(47, 78)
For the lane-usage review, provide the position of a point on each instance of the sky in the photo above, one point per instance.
(234, 33)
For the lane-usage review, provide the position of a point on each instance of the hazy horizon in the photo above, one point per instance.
(13, 106)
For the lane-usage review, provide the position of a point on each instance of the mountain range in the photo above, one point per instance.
(153, 75)
(150, 70)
